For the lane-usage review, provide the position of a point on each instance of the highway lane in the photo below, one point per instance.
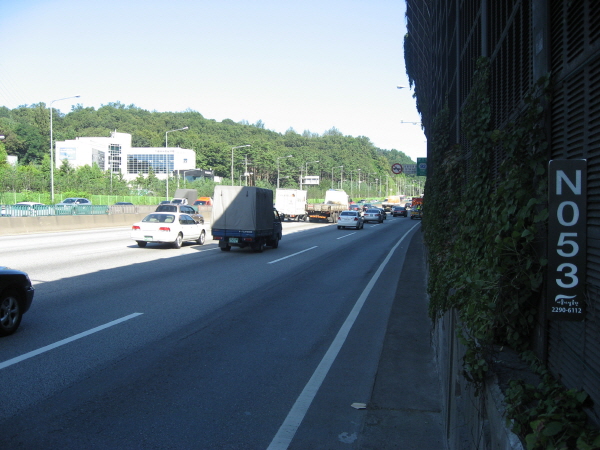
(214, 348)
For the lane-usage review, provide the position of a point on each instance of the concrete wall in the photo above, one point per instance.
(28, 225)
(47, 224)
(472, 422)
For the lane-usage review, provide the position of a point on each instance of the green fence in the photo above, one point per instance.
(10, 198)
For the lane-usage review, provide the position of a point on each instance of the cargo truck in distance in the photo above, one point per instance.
(243, 216)
(291, 203)
(185, 196)
(336, 201)
(390, 202)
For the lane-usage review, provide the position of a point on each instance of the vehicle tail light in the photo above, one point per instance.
(248, 239)
(164, 229)
(135, 227)
(356, 219)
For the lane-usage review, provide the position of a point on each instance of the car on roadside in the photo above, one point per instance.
(183, 209)
(373, 215)
(123, 208)
(352, 219)
(25, 209)
(168, 228)
(74, 201)
(29, 204)
(16, 295)
(399, 211)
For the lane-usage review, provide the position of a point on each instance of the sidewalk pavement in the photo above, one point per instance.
(404, 412)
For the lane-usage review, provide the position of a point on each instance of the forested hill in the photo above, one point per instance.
(27, 136)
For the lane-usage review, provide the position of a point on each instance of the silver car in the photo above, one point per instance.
(373, 215)
(351, 219)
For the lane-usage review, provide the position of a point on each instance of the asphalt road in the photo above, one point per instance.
(158, 348)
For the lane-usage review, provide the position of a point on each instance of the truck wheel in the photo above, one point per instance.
(275, 242)
(258, 247)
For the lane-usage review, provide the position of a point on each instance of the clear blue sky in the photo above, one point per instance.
(308, 65)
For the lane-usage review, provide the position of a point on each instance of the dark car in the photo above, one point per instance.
(16, 295)
(74, 201)
(399, 211)
(123, 208)
(182, 209)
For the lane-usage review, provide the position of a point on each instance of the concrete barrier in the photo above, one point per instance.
(47, 224)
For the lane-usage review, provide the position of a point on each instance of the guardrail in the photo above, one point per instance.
(71, 210)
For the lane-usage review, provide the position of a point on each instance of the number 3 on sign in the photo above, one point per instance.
(572, 270)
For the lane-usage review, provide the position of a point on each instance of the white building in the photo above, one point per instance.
(117, 154)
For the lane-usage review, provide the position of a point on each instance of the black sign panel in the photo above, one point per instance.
(567, 186)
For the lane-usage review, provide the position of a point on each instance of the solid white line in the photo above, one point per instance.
(289, 256)
(290, 425)
(345, 236)
(39, 351)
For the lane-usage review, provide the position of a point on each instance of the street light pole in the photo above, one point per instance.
(336, 167)
(278, 158)
(232, 149)
(167, 156)
(52, 147)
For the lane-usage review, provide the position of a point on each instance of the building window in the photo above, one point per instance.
(161, 164)
(114, 158)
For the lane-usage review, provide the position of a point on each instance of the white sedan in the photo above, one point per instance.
(350, 219)
(172, 228)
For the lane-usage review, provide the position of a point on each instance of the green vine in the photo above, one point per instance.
(486, 239)
(549, 416)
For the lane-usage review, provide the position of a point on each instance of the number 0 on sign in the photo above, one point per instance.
(397, 168)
